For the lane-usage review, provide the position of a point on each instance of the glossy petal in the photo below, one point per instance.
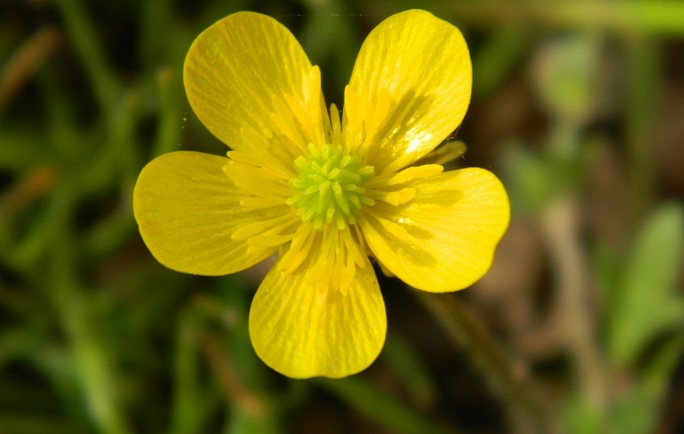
(188, 210)
(318, 319)
(251, 84)
(444, 238)
(409, 90)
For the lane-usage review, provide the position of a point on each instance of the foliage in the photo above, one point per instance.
(577, 328)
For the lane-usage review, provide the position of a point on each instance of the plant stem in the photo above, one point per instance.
(90, 362)
(652, 17)
(461, 326)
(85, 38)
(560, 226)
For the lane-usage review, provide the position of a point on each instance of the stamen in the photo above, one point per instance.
(335, 125)
(299, 248)
(255, 180)
(397, 198)
(413, 173)
(274, 225)
(444, 154)
(262, 202)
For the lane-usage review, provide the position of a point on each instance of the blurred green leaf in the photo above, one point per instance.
(648, 304)
(529, 180)
(193, 402)
(566, 78)
(34, 424)
(21, 147)
(330, 40)
(580, 417)
(642, 97)
(494, 60)
(633, 413)
(381, 406)
(402, 359)
(657, 374)
(86, 40)
(241, 422)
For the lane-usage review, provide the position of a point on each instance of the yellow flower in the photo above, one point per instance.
(322, 191)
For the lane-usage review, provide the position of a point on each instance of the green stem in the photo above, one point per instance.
(652, 17)
(91, 364)
(661, 18)
(154, 25)
(642, 74)
(190, 404)
(85, 38)
(27, 60)
(462, 327)
(560, 223)
(170, 108)
(380, 406)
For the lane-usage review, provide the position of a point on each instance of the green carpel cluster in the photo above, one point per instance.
(330, 186)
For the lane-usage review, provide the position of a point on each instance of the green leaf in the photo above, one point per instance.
(529, 179)
(499, 54)
(647, 304)
(380, 406)
(565, 76)
(657, 375)
(634, 413)
(403, 361)
(580, 416)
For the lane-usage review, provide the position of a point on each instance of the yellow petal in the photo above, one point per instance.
(409, 90)
(250, 83)
(443, 239)
(324, 318)
(188, 211)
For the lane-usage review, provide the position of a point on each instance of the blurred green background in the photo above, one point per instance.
(579, 327)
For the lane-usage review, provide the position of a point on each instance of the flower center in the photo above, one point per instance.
(329, 187)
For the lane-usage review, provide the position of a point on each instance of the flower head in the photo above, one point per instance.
(321, 190)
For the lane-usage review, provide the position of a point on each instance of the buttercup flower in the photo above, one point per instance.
(323, 191)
